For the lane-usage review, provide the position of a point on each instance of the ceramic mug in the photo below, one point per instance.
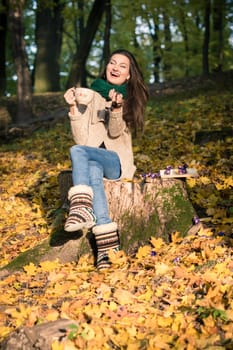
(83, 95)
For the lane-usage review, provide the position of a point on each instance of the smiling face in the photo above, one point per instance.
(117, 70)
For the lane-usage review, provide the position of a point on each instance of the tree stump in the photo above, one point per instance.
(143, 209)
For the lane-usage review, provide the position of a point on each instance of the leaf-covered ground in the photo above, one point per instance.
(168, 296)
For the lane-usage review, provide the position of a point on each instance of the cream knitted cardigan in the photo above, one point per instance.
(94, 123)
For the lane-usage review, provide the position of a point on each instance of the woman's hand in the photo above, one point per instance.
(69, 96)
(117, 99)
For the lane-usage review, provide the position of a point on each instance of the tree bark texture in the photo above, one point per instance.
(184, 31)
(3, 35)
(78, 68)
(205, 48)
(24, 86)
(168, 45)
(49, 23)
(218, 30)
(107, 35)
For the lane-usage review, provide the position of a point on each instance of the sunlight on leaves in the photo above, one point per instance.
(157, 242)
(30, 269)
(167, 295)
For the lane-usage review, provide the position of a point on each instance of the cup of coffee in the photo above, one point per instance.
(83, 95)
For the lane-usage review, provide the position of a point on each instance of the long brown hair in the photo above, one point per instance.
(137, 93)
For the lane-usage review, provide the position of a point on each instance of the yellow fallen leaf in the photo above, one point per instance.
(52, 315)
(30, 269)
(159, 292)
(113, 306)
(104, 291)
(229, 181)
(4, 331)
(143, 252)
(19, 314)
(160, 341)
(162, 269)
(164, 322)
(55, 276)
(121, 339)
(191, 182)
(132, 331)
(205, 232)
(157, 242)
(146, 296)
(7, 299)
(176, 237)
(21, 228)
(88, 332)
(117, 258)
(133, 344)
(49, 265)
(192, 258)
(204, 180)
(56, 345)
(124, 297)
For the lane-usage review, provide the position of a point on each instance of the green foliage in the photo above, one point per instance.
(138, 26)
(206, 312)
(73, 331)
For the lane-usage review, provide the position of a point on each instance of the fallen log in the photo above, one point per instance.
(38, 337)
(204, 136)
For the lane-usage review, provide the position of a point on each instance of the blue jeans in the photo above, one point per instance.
(89, 166)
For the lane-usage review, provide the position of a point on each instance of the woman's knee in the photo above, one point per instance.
(76, 150)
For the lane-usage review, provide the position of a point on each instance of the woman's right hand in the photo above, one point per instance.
(69, 96)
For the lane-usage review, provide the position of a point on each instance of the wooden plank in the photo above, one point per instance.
(175, 173)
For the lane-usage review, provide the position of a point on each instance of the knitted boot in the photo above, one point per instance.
(81, 213)
(106, 237)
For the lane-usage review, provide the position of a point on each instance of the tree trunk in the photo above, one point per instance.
(218, 28)
(107, 32)
(49, 23)
(156, 55)
(184, 31)
(3, 31)
(154, 30)
(78, 67)
(205, 48)
(24, 86)
(168, 46)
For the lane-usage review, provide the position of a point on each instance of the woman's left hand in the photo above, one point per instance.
(117, 98)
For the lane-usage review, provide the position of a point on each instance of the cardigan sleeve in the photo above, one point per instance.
(78, 112)
(88, 122)
(116, 124)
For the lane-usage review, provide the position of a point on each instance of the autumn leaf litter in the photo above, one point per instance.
(167, 296)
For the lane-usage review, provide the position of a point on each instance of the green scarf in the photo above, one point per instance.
(103, 87)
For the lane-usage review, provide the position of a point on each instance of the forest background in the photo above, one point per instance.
(52, 45)
(185, 49)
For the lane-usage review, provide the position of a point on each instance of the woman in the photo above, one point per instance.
(101, 118)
